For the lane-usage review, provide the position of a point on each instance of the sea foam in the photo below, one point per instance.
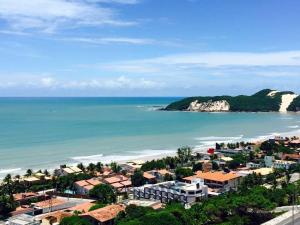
(117, 158)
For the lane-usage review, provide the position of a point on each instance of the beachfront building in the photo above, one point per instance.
(103, 216)
(217, 180)
(67, 170)
(83, 187)
(173, 190)
(132, 166)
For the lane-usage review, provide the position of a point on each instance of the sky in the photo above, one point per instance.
(148, 47)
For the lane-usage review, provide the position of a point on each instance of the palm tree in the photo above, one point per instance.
(115, 167)
(29, 172)
(46, 172)
(180, 155)
(99, 167)
(91, 168)
(7, 179)
(81, 166)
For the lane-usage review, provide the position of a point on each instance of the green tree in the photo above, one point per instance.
(138, 179)
(182, 172)
(115, 167)
(103, 193)
(29, 173)
(99, 167)
(7, 205)
(197, 167)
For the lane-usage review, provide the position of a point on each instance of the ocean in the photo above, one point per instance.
(41, 133)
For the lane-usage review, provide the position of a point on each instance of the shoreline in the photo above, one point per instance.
(157, 156)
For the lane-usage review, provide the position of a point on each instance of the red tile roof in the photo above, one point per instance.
(217, 176)
(106, 213)
(148, 176)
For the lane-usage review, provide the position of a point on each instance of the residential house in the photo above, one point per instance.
(283, 164)
(103, 216)
(23, 219)
(157, 175)
(292, 157)
(217, 179)
(150, 178)
(119, 182)
(83, 187)
(67, 170)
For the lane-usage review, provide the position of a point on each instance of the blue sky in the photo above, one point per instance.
(148, 47)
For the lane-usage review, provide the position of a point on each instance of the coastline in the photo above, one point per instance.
(166, 153)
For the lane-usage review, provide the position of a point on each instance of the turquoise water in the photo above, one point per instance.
(46, 132)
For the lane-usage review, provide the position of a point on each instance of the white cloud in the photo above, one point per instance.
(195, 61)
(116, 40)
(50, 15)
(50, 82)
(115, 1)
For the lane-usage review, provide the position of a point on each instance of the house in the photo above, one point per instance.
(145, 203)
(31, 180)
(23, 219)
(82, 208)
(292, 157)
(23, 198)
(278, 164)
(173, 190)
(269, 161)
(104, 216)
(225, 159)
(153, 176)
(294, 143)
(53, 204)
(217, 179)
(57, 216)
(263, 171)
(119, 182)
(132, 165)
(230, 152)
(252, 165)
(283, 164)
(83, 187)
(150, 179)
(54, 218)
(67, 170)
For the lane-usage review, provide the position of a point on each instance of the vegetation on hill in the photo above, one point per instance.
(259, 102)
(295, 105)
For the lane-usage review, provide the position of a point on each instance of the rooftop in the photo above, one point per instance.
(263, 171)
(106, 213)
(218, 176)
(50, 202)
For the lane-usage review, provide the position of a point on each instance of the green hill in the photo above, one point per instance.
(261, 101)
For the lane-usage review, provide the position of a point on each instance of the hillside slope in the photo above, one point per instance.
(266, 100)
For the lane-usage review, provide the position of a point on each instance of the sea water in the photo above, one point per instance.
(43, 133)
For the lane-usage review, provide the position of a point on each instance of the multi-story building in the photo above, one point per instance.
(173, 190)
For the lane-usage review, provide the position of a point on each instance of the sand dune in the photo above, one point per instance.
(286, 100)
